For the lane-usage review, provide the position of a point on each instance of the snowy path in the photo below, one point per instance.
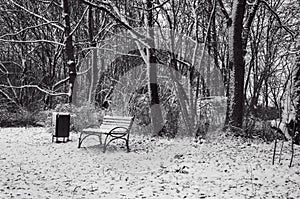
(33, 167)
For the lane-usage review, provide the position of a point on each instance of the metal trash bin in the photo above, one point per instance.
(62, 126)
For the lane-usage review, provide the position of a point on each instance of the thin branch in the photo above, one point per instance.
(36, 87)
(121, 19)
(60, 82)
(50, 3)
(133, 33)
(27, 28)
(67, 79)
(105, 29)
(36, 15)
(110, 50)
(278, 19)
(125, 37)
(8, 97)
(158, 6)
(84, 72)
(225, 13)
(32, 41)
(80, 20)
(8, 80)
(153, 8)
(293, 52)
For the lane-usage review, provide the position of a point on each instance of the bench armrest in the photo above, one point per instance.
(126, 130)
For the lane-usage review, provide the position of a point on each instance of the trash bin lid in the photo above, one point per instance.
(63, 113)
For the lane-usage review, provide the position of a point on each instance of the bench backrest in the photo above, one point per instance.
(118, 121)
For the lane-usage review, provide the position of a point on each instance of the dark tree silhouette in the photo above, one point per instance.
(69, 50)
(236, 65)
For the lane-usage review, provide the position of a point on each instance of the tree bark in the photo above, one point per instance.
(297, 87)
(69, 51)
(93, 72)
(236, 65)
(155, 109)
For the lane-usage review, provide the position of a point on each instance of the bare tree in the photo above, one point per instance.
(155, 109)
(236, 64)
(69, 50)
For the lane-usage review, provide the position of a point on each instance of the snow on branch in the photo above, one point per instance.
(67, 79)
(153, 8)
(32, 41)
(79, 22)
(38, 16)
(36, 87)
(115, 14)
(60, 82)
(278, 19)
(7, 96)
(158, 6)
(225, 13)
(27, 28)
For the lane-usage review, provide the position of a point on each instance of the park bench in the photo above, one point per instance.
(112, 127)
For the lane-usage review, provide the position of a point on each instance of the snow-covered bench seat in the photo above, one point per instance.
(112, 127)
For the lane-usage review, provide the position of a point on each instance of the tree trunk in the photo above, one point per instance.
(93, 72)
(297, 87)
(236, 65)
(69, 51)
(155, 109)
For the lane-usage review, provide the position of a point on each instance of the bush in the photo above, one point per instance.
(256, 128)
(19, 118)
(267, 113)
(82, 116)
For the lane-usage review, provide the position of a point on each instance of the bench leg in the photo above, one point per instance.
(127, 142)
(100, 139)
(79, 143)
(127, 145)
(291, 161)
(280, 153)
(105, 141)
(79, 140)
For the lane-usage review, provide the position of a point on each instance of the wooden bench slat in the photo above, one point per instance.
(114, 126)
(119, 120)
(106, 126)
(102, 130)
(116, 118)
(115, 123)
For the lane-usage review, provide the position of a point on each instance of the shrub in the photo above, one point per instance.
(256, 128)
(19, 118)
(82, 116)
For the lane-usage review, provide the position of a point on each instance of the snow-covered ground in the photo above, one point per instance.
(33, 167)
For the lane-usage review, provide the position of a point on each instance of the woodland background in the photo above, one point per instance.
(54, 56)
